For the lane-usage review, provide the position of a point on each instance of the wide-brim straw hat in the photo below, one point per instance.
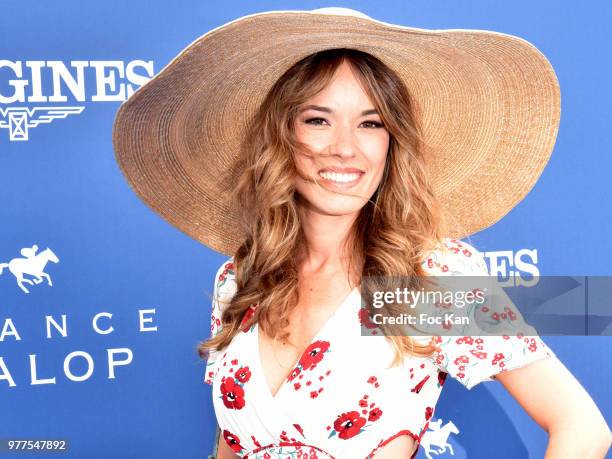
(489, 104)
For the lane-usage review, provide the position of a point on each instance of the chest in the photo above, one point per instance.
(317, 304)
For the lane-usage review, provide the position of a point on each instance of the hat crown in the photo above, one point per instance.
(338, 10)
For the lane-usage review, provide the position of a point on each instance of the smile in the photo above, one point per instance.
(342, 180)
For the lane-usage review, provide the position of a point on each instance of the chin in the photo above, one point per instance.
(339, 209)
(333, 205)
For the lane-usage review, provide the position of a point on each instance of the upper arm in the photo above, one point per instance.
(553, 397)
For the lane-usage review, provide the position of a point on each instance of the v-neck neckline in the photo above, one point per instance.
(260, 369)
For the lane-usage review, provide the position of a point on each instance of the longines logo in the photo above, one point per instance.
(24, 82)
(514, 269)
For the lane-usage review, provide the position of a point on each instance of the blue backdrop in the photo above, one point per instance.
(136, 390)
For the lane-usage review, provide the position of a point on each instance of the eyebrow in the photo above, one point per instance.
(329, 110)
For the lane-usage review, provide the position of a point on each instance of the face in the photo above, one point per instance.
(345, 134)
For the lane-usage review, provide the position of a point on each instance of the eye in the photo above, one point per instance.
(373, 124)
(314, 121)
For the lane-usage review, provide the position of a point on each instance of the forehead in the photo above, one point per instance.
(343, 90)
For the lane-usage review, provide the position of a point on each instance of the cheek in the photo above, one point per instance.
(316, 142)
(378, 149)
(303, 163)
(383, 143)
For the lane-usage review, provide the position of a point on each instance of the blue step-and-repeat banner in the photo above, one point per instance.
(101, 349)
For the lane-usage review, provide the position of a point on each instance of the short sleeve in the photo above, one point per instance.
(224, 288)
(509, 341)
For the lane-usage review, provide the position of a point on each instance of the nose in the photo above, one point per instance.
(344, 142)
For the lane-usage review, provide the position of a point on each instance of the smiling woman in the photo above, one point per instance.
(324, 147)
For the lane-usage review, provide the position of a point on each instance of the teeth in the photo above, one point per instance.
(342, 178)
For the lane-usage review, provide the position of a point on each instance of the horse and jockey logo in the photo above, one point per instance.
(438, 437)
(32, 264)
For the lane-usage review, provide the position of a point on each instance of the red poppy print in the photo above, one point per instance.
(245, 324)
(228, 270)
(255, 442)
(232, 394)
(232, 440)
(364, 319)
(299, 429)
(243, 374)
(313, 354)
(375, 414)
(419, 386)
(454, 246)
(294, 374)
(347, 425)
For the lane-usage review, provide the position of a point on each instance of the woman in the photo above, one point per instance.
(337, 180)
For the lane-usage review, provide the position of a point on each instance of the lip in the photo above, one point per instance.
(342, 170)
(342, 185)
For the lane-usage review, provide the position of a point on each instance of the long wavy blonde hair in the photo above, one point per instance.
(395, 229)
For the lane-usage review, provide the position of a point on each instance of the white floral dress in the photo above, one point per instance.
(341, 400)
